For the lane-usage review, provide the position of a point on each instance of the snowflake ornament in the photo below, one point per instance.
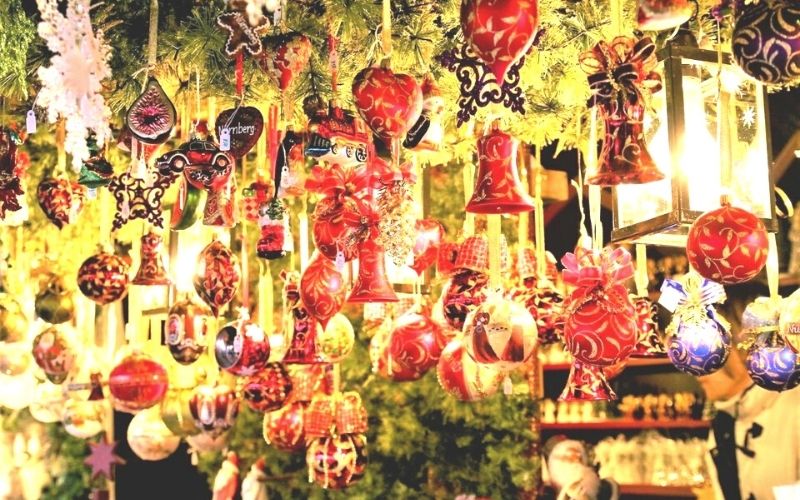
(749, 117)
(71, 84)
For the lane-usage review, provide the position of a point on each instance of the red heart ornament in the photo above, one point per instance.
(284, 57)
(500, 31)
(244, 125)
(389, 102)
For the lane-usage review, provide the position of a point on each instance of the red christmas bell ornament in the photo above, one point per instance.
(727, 245)
(188, 324)
(648, 336)
(322, 289)
(371, 285)
(390, 103)
(103, 278)
(461, 377)
(500, 31)
(54, 353)
(497, 187)
(214, 408)
(333, 234)
(336, 462)
(587, 382)
(217, 275)
(500, 332)
(151, 268)
(430, 234)
(283, 428)
(285, 57)
(299, 325)
(660, 15)
(137, 382)
(61, 200)
(462, 295)
(268, 390)
(416, 342)
(242, 347)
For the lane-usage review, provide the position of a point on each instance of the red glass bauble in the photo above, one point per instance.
(283, 428)
(336, 462)
(727, 245)
(268, 390)
(217, 275)
(285, 57)
(322, 289)
(461, 377)
(416, 342)
(103, 278)
(660, 15)
(372, 284)
(187, 328)
(242, 348)
(465, 292)
(137, 382)
(332, 233)
(384, 365)
(430, 234)
(390, 103)
(500, 31)
(214, 408)
(54, 354)
(500, 332)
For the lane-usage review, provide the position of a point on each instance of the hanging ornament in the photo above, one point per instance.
(55, 354)
(83, 419)
(202, 162)
(766, 41)
(336, 340)
(214, 408)
(288, 174)
(427, 134)
(600, 326)
(242, 36)
(15, 358)
(54, 302)
(13, 321)
(300, 327)
(137, 382)
(336, 137)
(96, 171)
(149, 438)
(151, 117)
(382, 362)
(186, 209)
(188, 323)
(322, 289)
(699, 338)
(500, 332)
(138, 198)
(103, 278)
(61, 200)
(620, 73)
(546, 304)
(336, 462)
(461, 377)
(205, 442)
(397, 224)
(217, 275)
(285, 56)
(254, 485)
(16, 392)
(242, 347)
(390, 103)
(334, 414)
(269, 390)
(226, 482)
(11, 193)
(244, 125)
(151, 268)
(372, 284)
(463, 294)
(176, 414)
(587, 382)
(648, 337)
(334, 234)
(256, 195)
(497, 187)
(48, 403)
(500, 31)
(103, 459)
(660, 15)
(416, 342)
(220, 209)
(429, 236)
(790, 320)
(283, 428)
(727, 245)
(771, 363)
(271, 244)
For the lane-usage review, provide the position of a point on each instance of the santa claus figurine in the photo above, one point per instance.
(254, 486)
(227, 481)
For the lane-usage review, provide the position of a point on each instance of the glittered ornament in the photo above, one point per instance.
(500, 332)
(214, 408)
(244, 126)
(149, 438)
(587, 382)
(176, 414)
(151, 117)
(460, 376)
(727, 245)
(61, 200)
(285, 56)
(187, 328)
(336, 462)
(83, 419)
(390, 103)
(322, 289)
(283, 428)
(13, 322)
(137, 382)
(766, 41)
(462, 295)
(54, 303)
(336, 340)
(103, 278)
(648, 337)
(55, 354)
(269, 389)
(217, 275)
(242, 347)
(397, 224)
(152, 270)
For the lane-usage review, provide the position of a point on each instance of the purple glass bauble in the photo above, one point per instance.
(766, 41)
(699, 348)
(772, 364)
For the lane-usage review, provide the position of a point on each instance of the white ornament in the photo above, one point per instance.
(254, 485)
(71, 85)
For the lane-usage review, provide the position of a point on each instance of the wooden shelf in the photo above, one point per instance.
(632, 363)
(626, 424)
(651, 490)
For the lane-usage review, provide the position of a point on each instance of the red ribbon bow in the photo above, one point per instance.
(336, 181)
(589, 268)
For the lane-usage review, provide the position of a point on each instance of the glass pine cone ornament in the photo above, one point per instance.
(390, 103)
(149, 437)
(151, 117)
(372, 283)
(268, 390)
(13, 321)
(587, 382)
(137, 382)
(463, 378)
(500, 332)
(152, 270)
(187, 327)
(727, 245)
(217, 275)
(103, 278)
(54, 352)
(766, 41)
(336, 462)
(242, 348)
(336, 340)
(176, 414)
(648, 336)
(214, 408)
(659, 15)
(283, 428)
(323, 289)
(498, 189)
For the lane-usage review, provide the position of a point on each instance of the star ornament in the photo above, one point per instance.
(102, 459)
(241, 35)
(139, 198)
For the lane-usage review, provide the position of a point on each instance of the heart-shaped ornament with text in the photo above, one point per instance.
(389, 102)
(500, 31)
(244, 125)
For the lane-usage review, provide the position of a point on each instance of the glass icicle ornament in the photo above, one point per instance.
(397, 221)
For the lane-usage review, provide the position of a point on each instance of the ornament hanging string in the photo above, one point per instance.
(538, 217)
(640, 278)
(265, 297)
(386, 33)
(723, 129)
(524, 223)
(245, 287)
(152, 38)
(239, 70)
(595, 192)
(773, 267)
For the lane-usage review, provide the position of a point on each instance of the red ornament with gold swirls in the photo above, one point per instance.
(137, 382)
(332, 233)
(268, 390)
(390, 103)
(322, 289)
(727, 245)
(416, 342)
(336, 462)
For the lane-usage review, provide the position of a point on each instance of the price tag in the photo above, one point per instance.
(339, 262)
(225, 139)
(30, 122)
